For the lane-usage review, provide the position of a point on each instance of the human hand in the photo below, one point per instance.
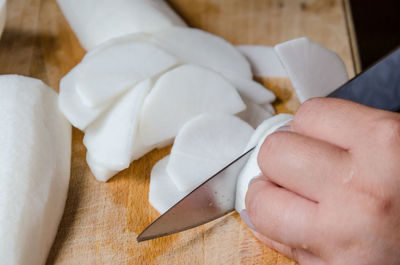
(330, 191)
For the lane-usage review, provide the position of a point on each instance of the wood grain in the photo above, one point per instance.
(101, 220)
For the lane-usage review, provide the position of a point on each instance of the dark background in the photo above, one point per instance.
(377, 26)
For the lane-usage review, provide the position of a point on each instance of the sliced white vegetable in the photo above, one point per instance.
(263, 60)
(104, 75)
(268, 107)
(3, 15)
(181, 94)
(251, 89)
(205, 145)
(101, 173)
(73, 108)
(251, 169)
(163, 193)
(110, 139)
(96, 21)
(200, 47)
(135, 37)
(314, 70)
(254, 114)
(35, 141)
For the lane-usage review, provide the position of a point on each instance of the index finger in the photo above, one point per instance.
(336, 121)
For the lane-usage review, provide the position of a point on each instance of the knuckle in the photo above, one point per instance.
(378, 201)
(387, 132)
(383, 204)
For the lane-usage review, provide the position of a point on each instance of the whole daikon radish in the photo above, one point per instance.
(35, 141)
(96, 21)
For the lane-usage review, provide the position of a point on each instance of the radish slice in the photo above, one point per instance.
(3, 14)
(34, 169)
(104, 75)
(263, 60)
(200, 47)
(205, 145)
(163, 194)
(72, 106)
(96, 21)
(181, 94)
(251, 169)
(252, 90)
(268, 107)
(110, 139)
(101, 173)
(314, 70)
(254, 114)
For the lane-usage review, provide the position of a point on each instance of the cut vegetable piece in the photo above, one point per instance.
(96, 21)
(263, 60)
(3, 15)
(104, 75)
(34, 169)
(205, 145)
(252, 90)
(163, 194)
(71, 105)
(251, 169)
(200, 47)
(254, 114)
(101, 173)
(135, 37)
(110, 139)
(181, 94)
(314, 70)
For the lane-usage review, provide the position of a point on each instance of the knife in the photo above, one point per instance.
(377, 87)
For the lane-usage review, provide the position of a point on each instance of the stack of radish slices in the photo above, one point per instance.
(135, 93)
(156, 80)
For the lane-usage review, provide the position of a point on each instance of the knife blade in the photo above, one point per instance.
(377, 86)
(207, 202)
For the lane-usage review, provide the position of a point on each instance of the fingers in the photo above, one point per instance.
(337, 121)
(304, 165)
(282, 215)
(300, 255)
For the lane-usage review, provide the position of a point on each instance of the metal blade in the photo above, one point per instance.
(211, 200)
(377, 87)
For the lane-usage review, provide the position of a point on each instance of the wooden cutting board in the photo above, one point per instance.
(101, 220)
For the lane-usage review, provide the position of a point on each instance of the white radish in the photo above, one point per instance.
(254, 114)
(251, 169)
(102, 76)
(101, 173)
(205, 145)
(268, 107)
(200, 47)
(71, 105)
(181, 94)
(251, 90)
(263, 60)
(314, 70)
(35, 141)
(3, 15)
(96, 21)
(163, 193)
(111, 138)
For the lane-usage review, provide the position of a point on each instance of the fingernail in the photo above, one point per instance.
(246, 219)
(254, 178)
(283, 128)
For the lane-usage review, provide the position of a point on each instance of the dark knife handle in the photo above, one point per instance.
(377, 87)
